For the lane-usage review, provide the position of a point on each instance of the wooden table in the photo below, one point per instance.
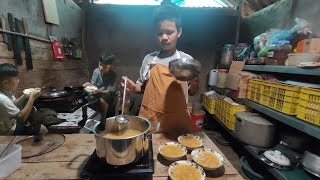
(67, 161)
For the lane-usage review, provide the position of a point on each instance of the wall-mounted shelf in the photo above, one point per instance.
(278, 69)
(283, 69)
(292, 121)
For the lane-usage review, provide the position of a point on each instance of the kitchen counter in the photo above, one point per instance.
(67, 161)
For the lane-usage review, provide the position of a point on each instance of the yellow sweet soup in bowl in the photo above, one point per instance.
(172, 151)
(186, 170)
(190, 141)
(207, 158)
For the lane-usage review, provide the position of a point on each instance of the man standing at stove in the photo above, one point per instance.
(165, 98)
(104, 79)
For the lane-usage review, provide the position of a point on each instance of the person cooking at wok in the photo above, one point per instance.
(165, 98)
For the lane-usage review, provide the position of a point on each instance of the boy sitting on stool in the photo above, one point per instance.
(14, 120)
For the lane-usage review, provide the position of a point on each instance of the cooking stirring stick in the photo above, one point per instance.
(124, 94)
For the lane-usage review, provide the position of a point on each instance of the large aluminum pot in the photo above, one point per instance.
(123, 151)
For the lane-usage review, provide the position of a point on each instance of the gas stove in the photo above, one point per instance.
(73, 100)
(97, 168)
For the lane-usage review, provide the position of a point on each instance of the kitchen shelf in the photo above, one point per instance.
(292, 121)
(297, 173)
(283, 69)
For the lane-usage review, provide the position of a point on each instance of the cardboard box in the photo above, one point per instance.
(236, 78)
(311, 45)
(239, 81)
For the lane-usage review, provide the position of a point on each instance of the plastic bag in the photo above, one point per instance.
(260, 41)
(302, 27)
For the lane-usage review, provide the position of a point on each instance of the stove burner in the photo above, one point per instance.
(97, 168)
(73, 100)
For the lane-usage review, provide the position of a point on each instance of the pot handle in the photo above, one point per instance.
(154, 128)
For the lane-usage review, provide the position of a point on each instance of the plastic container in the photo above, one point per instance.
(296, 58)
(226, 111)
(209, 104)
(278, 53)
(198, 120)
(227, 55)
(278, 96)
(11, 161)
(309, 105)
(222, 78)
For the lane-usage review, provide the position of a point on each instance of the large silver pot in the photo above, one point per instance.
(248, 125)
(123, 151)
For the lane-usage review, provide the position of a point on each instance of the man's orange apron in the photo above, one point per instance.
(164, 101)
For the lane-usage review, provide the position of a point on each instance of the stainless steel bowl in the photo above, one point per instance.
(123, 151)
(184, 69)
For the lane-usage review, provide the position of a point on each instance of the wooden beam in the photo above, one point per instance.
(266, 2)
(262, 3)
(228, 3)
(25, 35)
(254, 4)
(251, 6)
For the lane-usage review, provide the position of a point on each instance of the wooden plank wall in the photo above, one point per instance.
(46, 72)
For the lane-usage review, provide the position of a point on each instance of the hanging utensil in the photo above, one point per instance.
(122, 119)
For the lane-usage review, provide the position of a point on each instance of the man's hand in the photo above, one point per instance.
(35, 93)
(194, 85)
(86, 84)
(131, 86)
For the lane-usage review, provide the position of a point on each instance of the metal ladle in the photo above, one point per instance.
(122, 119)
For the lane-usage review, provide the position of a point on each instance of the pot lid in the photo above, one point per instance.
(253, 117)
(276, 157)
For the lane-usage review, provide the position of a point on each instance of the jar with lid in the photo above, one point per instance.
(278, 53)
(227, 54)
(222, 78)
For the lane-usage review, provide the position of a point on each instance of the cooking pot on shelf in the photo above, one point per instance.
(311, 163)
(249, 125)
(123, 151)
(295, 140)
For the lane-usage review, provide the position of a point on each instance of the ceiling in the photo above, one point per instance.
(250, 5)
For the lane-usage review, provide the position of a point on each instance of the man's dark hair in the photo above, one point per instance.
(106, 58)
(8, 70)
(167, 12)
